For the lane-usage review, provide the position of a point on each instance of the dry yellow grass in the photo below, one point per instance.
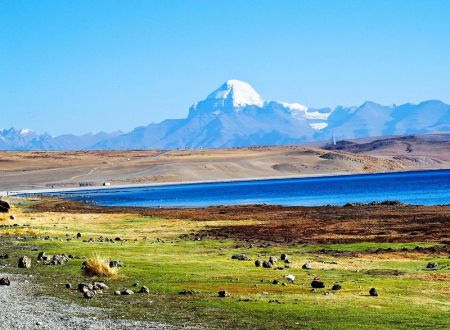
(98, 266)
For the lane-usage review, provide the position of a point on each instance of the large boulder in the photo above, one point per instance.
(4, 207)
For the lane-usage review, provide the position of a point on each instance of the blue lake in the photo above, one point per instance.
(420, 187)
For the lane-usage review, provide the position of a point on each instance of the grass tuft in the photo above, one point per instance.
(98, 266)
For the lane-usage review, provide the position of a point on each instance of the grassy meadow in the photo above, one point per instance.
(156, 254)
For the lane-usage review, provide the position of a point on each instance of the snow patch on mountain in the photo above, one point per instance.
(238, 93)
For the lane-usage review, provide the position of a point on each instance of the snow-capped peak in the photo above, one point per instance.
(238, 93)
(25, 131)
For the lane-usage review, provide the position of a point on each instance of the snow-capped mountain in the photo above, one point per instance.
(236, 115)
(25, 139)
(233, 115)
(372, 119)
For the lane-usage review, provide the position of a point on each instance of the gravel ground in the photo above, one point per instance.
(20, 309)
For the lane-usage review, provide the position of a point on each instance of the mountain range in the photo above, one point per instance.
(235, 115)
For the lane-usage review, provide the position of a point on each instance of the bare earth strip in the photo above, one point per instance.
(69, 169)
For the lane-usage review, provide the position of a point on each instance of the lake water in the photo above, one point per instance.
(421, 187)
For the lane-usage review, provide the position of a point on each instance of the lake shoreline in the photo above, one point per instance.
(180, 183)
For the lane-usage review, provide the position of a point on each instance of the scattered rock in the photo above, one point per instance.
(89, 294)
(224, 294)
(83, 287)
(99, 286)
(78, 235)
(266, 264)
(317, 284)
(4, 256)
(287, 261)
(283, 256)
(60, 259)
(127, 292)
(188, 292)
(42, 256)
(144, 289)
(336, 287)
(115, 263)
(5, 281)
(273, 260)
(24, 262)
(307, 265)
(68, 286)
(117, 239)
(275, 282)
(373, 292)
(290, 278)
(258, 263)
(12, 217)
(4, 207)
(240, 257)
(117, 293)
(432, 265)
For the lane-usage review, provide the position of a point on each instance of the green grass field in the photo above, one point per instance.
(410, 296)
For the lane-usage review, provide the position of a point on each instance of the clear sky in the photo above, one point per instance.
(79, 66)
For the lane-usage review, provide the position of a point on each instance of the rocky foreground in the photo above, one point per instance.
(22, 310)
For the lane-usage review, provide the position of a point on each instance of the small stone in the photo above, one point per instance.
(266, 264)
(283, 256)
(273, 260)
(78, 235)
(60, 259)
(83, 287)
(115, 263)
(188, 292)
(12, 217)
(224, 294)
(5, 281)
(4, 256)
(373, 292)
(240, 257)
(42, 256)
(24, 262)
(117, 239)
(99, 286)
(89, 294)
(275, 282)
(127, 292)
(68, 286)
(432, 265)
(144, 289)
(336, 287)
(317, 284)
(307, 265)
(258, 263)
(117, 293)
(290, 278)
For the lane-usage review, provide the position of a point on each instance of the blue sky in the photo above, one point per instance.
(79, 66)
